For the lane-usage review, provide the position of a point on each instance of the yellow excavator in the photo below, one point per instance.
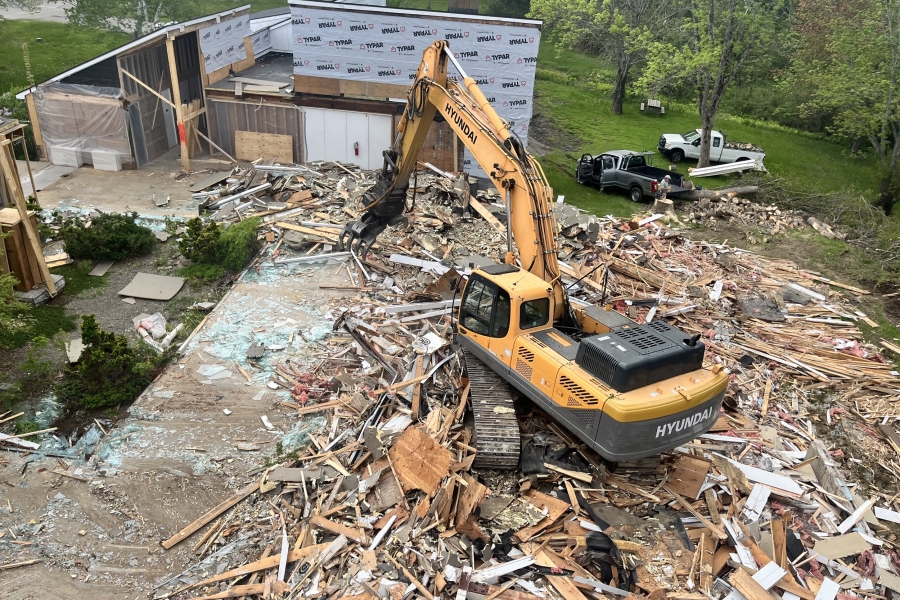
(626, 390)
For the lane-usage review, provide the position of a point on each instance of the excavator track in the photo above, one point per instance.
(497, 438)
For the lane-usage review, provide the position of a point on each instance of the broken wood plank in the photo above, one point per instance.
(585, 477)
(415, 581)
(555, 509)
(260, 565)
(210, 515)
(717, 531)
(487, 215)
(255, 589)
(547, 558)
(746, 585)
(855, 518)
(23, 563)
(353, 534)
(419, 461)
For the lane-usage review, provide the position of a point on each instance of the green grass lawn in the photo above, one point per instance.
(573, 90)
(63, 47)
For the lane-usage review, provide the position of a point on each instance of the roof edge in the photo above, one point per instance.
(364, 8)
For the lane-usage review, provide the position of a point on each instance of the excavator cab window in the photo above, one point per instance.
(534, 313)
(485, 308)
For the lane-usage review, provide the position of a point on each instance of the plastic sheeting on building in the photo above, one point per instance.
(76, 120)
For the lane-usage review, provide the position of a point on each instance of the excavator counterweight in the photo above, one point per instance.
(626, 390)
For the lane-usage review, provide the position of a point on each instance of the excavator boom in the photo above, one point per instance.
(499, 151)
(626, 390)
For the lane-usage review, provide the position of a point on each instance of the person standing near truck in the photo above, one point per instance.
(664, 187)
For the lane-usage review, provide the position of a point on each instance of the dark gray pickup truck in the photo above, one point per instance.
(626, 169)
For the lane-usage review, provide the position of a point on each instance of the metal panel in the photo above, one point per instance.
(380, 129)
(139, 145)
(314, 124)
(282, 37)
(335, 134)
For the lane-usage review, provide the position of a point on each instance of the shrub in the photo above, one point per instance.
(108, 373)
(238, 244)
(111, 236)
(216, 250)
(200, 242)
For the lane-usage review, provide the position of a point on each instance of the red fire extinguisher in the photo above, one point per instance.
(356, 148)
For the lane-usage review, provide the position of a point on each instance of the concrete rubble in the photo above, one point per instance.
(371, 491)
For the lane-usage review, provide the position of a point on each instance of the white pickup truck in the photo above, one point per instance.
(676, 147)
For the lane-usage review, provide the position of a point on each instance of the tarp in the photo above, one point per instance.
(82, 118)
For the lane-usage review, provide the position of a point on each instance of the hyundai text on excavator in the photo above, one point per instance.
(626, 390)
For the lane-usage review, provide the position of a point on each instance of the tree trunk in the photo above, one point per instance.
(887, 194)
(619, 89)
(706, 124)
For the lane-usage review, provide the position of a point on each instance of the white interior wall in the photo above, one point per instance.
(331, 134)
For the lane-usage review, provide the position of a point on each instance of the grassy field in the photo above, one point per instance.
(62, 47)
(572, 92)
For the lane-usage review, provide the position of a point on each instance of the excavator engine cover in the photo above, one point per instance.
(643, 355)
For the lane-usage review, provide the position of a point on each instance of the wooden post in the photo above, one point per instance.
(6, 162)
(28, 164)
(179, 108)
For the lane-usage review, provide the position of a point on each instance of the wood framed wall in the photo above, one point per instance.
(149, 136)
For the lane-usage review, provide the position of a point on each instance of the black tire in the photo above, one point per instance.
(742, 159)
(636, 194)
(676, 156)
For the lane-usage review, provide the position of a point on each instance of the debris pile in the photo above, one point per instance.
(380, 499)
(791, 495)
(743, 212)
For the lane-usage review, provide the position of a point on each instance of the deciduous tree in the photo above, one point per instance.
(712, 42)
(616, 30)
(132, 17)
(855, 80)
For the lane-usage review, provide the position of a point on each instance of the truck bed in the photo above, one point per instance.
(656, 173)
(747, 147)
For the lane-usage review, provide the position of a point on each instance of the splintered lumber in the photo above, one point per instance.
(717, 531)
(209, 516)
(745, 584)
(787, 582)
(567, 589)
(486, 215)
(422, 589)
(555, 509)
(309, 231)
(328, 525)
(260, 565)
(419, 461)
(857, 515)
(255, 589)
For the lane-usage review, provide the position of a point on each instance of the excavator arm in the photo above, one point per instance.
(530, 222)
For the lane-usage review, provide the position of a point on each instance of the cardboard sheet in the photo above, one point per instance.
(101, 268)
(153, 287)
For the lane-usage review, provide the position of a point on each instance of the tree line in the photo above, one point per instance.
(824, 66)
